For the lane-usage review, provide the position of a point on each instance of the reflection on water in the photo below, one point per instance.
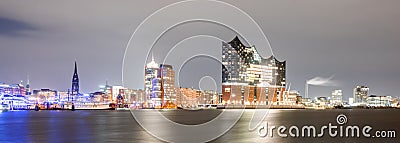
(119, 126)
(186, 116)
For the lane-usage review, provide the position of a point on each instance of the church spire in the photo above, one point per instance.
(75, 82)
(76, 69)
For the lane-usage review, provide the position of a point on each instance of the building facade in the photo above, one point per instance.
(12, 89)
(337, 97)
(188, 97)
(246, 76)
(360, 94)
(163, 86)
(380, 101)
(46, 95)
(135, 96)
(151, 72)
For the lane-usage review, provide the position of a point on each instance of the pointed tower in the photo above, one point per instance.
(75, 83)
(27, 87)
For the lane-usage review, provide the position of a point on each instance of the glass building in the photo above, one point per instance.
(151, 72)
(159, 84)
(360, 94)
(242, 64)
(246, 76)
(337, 97)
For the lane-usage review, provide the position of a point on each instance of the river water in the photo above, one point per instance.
(120, 126)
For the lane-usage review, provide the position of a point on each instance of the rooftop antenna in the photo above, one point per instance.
(27, 79)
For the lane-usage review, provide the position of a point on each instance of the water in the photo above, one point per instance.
(119, 126)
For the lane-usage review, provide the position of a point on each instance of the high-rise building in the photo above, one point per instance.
(28, 87)
(360, 94)
(337, 98)
(246, 76)
(167, 74)
(75, 83)
(163, 87)
(151, 72)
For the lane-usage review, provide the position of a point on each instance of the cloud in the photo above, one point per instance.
(320, 81)
(11, 27)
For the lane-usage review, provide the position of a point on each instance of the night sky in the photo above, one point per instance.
(355, 41)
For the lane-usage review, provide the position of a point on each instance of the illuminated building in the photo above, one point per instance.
(351, 100)
(163, 87)
(45, 95)
(321, 101)
(246, 76)
(291, 98)
(188, 97)
(75, 84)
(167, 74)
(135, 96)
(275, 95)
(299, 99)
(109, 94)
(97, 97)
(2, 88)
(155, 97)
(63, 95)
(232, 94)
(28, 87)
(115, 91)
(360, 94)
(208, 97)
(106, 89)
(12, 89)
(151, 72)
(337, 98)
(379, 101)
(14, 96)
(15, 101)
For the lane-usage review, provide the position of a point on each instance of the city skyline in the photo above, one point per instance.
(358, 52)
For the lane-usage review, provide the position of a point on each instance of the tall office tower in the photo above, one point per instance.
(337, 97)
(167, 74)
(360, 94)
(163, 87)
(243, 66)
(28, 87)
(75, 83)
(151, 72)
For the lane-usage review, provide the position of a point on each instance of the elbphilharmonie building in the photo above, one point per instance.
(248, 78)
